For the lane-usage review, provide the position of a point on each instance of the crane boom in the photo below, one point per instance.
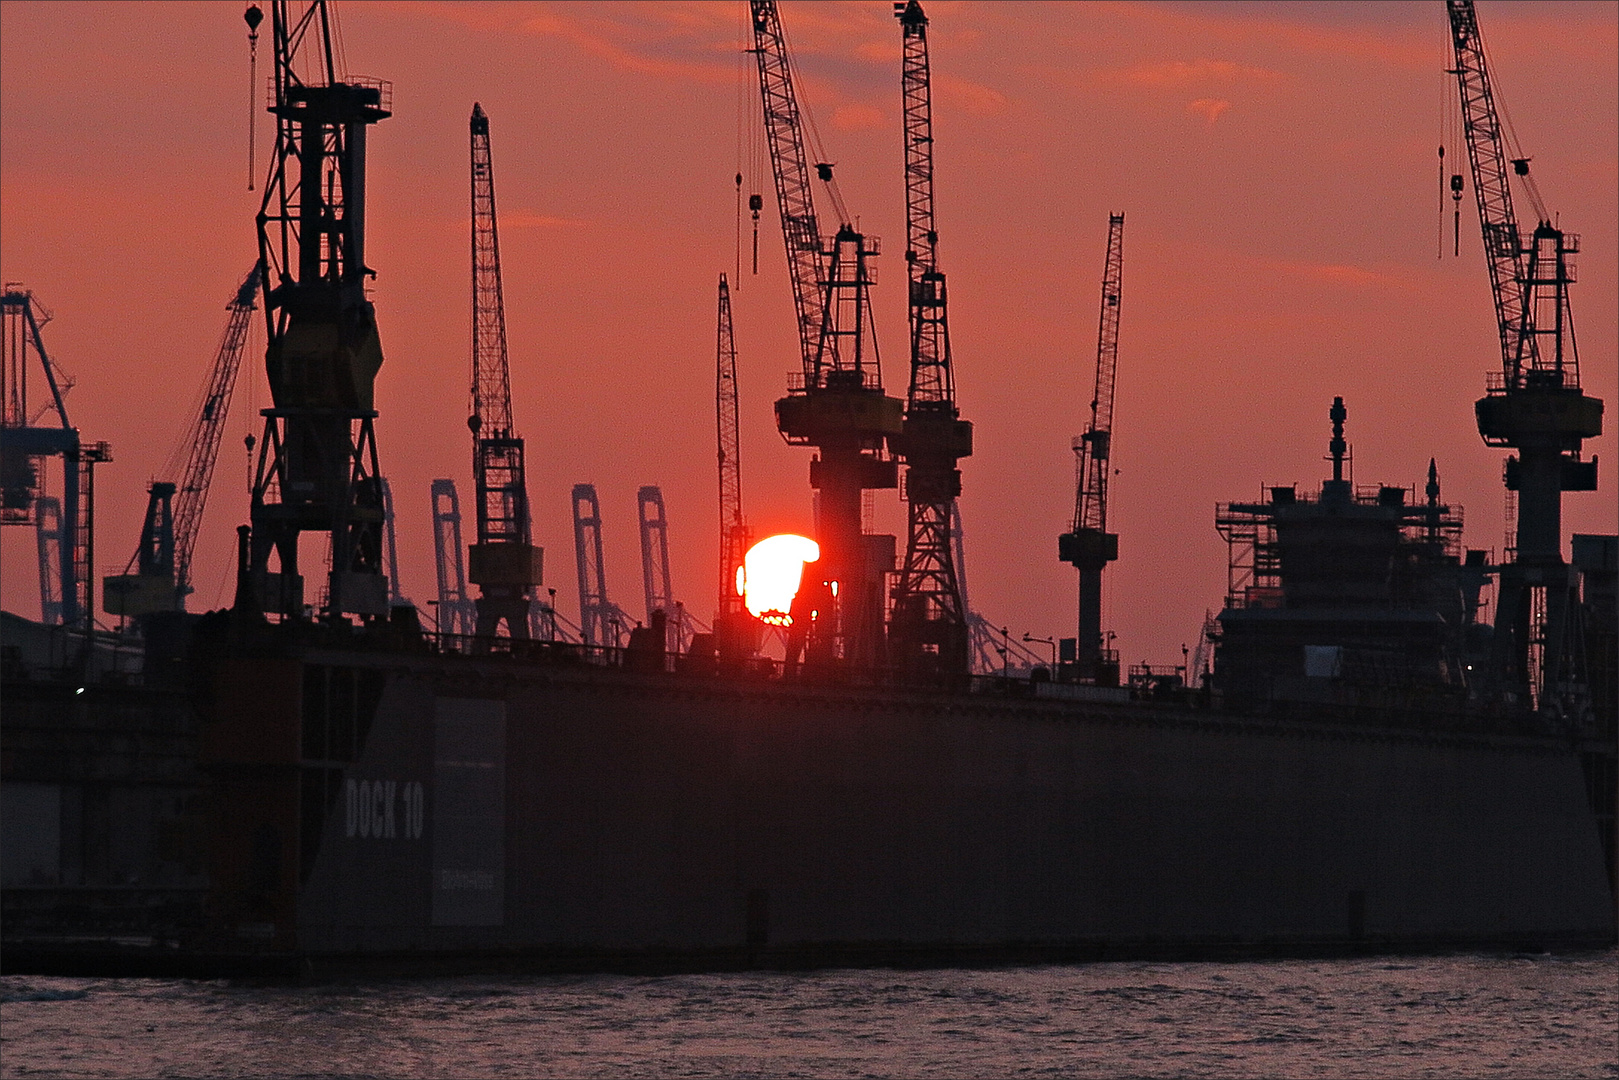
(207, 429)
(1093, 447)
(932, 380)
(158, 577)
(794, 197)
(491, 370)
(1486, 156)
(733, 526)
(505, 565)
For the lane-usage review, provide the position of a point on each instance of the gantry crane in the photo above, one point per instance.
(65, 560)
(655, 578)
(733, 628)
(601, 622)
(1535, 406)
(928, 631)
(504, 563)
(317, 466)
(158, 577)
(1088, 545)
(836, 404)
(457, 614)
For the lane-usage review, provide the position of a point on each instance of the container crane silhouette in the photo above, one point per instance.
(836, 402)
(504, 563)
(928, 631)
(1534, 406)
(158, 576)
(317, 462)
(1088, 545)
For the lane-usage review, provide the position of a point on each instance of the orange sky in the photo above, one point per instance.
(1276, 163)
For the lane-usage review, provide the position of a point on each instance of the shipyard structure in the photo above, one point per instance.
(1364, 753)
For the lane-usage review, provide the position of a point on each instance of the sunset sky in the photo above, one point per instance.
(1275, 162)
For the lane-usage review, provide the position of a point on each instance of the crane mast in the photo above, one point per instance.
(928, 632)
(1535, 406)
(317, 464)
(836, 404)
(162, 563)
(504, 563)
(731, 621)
(1088, 545)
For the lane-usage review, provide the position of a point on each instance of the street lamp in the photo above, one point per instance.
(1028, 638)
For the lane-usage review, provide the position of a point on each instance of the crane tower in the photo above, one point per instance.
(928, 632)
(1088, 545)
(317, 462)
(504, 563)
(836, 402)
(1534, 405)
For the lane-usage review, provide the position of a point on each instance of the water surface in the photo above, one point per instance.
(1427, 1017)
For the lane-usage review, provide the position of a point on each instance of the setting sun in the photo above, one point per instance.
(770, 573)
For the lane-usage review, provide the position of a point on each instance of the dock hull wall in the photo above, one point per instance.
(493, 809)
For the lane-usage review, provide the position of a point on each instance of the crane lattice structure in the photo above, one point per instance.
(65, 549)
(928, 632)
(317, 466)
(504, 562)
(1089, 546)
(1534, 406)
(457, 614)
(836, 403)
(734, 629)
(158, 577)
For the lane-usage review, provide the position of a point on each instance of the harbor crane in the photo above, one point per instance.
(457, 614)
(735, 633)
(601, 622)
(317, 462)
(836, 403)
(1534, 406)
(1088, 545)
(158, 577)
(928, 629)
(654, 522)
(504, 563)
(64, 524)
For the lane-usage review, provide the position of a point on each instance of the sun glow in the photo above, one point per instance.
(770, 574)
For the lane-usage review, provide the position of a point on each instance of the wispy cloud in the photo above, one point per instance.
(1178, 74)
(1327, 273)
(856, 117)
(969, 96)
(533, 219)
(1208, 108)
